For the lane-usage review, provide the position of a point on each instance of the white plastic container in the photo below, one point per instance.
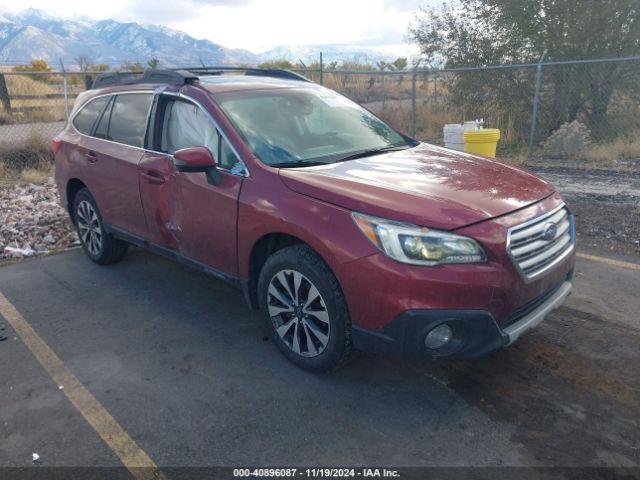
(453, 136)
(453, 133)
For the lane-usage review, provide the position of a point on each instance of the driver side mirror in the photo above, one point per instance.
(197, 159)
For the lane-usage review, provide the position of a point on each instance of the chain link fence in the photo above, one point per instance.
(34, 107)
(528, 103)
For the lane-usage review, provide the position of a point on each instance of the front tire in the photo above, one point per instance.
(305, 309)
(100, 246)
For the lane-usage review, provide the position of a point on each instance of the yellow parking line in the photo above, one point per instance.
(131, 455)
(609, 261)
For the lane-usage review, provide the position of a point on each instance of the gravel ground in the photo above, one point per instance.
(32, 220)
(606, 205)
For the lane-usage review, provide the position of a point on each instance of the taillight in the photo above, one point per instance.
(55, 145)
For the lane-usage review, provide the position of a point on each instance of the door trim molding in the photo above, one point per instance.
(170, 254)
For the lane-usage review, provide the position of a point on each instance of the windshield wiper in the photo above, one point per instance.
(299, 163)
(373, 151)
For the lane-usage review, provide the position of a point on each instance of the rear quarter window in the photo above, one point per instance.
(128, 122)
(87, 116)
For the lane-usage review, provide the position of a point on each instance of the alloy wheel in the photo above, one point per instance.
(299, 313)
(89, 228)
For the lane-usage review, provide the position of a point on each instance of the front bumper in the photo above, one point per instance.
(531, 320)
(475, 332)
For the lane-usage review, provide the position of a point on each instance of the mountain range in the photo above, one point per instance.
(33, 34)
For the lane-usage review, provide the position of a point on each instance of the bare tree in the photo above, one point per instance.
(83, 62)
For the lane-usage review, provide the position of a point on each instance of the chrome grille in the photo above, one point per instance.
(539, 244)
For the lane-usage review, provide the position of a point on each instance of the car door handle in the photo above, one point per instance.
(154, 178)
(91, 156)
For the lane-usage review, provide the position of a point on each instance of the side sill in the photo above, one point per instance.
(171, 254)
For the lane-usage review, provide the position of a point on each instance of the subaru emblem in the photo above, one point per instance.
(549, 232)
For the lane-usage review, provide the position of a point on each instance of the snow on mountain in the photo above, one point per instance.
(330, 53)
(33, 34)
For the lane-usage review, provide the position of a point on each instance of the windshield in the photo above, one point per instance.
(302, 126)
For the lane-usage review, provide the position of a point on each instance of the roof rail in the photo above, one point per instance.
(186, 75)
(179, 77)
(258, 72)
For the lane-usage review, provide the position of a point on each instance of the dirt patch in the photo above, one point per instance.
(562, 385)
(606, 205)
(586, 164)
(603, 225)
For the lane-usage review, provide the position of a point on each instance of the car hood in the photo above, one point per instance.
(424, 185)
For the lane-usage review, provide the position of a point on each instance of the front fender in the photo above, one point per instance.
(270, 207)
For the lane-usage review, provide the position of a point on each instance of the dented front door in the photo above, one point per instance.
(160, 195)
(185, 213)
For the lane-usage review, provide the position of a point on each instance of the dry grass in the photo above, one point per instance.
(37, 175)
(48, 109)
(29, 85)
(30, 162)
(366, 87)
(622, 154)
(615, 152)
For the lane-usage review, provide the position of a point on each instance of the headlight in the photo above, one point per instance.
(408, 243)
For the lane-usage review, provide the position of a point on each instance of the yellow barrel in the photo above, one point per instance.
(482, 142)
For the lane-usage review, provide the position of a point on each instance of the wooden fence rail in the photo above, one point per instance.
(45, 95)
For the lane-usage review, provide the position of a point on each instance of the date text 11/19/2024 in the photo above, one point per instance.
(316, 472)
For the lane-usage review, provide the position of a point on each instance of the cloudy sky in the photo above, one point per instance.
(256, 25)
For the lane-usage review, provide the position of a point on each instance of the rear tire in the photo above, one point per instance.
(100, 246)
(305, 309)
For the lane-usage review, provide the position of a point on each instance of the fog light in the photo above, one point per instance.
(439, 336)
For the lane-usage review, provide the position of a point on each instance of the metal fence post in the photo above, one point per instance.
(384, 92)
(66, 93)
(536, 100)
(435, 90)
(5, 99)
(414, 78)
(321, 70)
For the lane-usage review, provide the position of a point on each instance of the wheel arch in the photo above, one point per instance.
(74, 185)
(262, 249)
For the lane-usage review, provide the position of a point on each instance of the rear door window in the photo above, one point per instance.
(86, 118)
(128, 123)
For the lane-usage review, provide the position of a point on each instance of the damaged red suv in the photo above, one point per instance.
(345, 232)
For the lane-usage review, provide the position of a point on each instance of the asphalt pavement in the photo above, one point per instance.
(188, 372)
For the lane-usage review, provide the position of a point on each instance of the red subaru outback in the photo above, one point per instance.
(345, 232)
